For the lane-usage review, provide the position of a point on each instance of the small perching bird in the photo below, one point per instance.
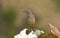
(31, 18)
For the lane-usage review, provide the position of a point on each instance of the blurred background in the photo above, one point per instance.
(13, 18)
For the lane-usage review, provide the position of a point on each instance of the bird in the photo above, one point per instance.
(31, 18)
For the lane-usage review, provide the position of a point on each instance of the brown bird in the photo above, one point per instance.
(31, 19)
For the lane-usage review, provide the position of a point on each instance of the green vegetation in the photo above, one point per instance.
(9, 15)
(9, 18)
